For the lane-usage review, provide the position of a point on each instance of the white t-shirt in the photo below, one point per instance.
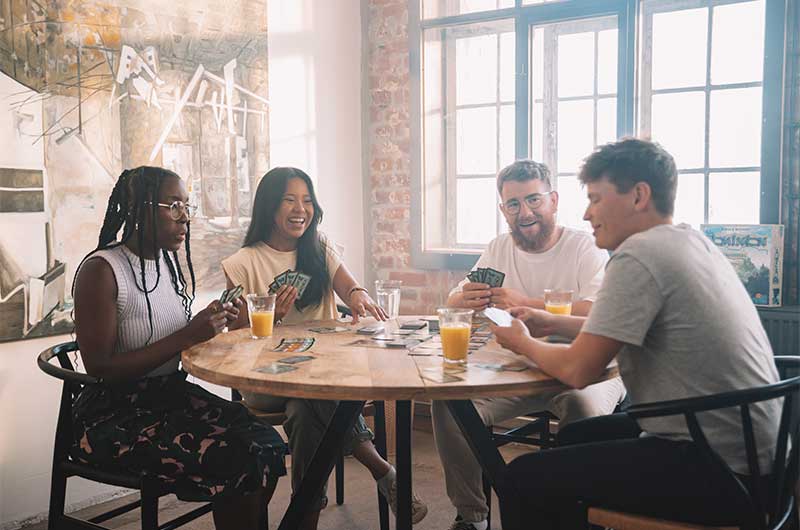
(574, 262)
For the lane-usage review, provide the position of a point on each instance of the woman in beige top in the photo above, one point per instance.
(283, 236)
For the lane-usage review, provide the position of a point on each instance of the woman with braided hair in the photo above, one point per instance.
(131, 324)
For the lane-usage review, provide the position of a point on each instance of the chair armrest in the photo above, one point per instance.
(58, 372)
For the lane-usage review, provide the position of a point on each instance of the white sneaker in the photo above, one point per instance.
(418, 508)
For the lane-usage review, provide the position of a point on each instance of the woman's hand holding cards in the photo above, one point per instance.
(284, 300)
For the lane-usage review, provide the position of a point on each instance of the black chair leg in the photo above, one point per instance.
(149, 512)
(58, 492)
(340, 480)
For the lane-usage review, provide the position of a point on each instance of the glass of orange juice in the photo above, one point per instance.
(261, 309)
(454, 328)
(558, 301)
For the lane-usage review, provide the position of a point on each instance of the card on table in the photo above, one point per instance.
(294, 359)
(369, 330)
(295, 345)
(328, 329)
(275, 368)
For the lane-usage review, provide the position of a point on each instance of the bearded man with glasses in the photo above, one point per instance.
(536, 254)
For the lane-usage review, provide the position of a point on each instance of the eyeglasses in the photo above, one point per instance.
(178, 208)
(534, 202)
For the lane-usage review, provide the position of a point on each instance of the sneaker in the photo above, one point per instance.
(458, 524)
(418, 508)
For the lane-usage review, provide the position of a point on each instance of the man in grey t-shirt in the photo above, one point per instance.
(677, 318)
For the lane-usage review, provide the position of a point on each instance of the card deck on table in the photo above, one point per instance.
(295, 345)
(294, 359)
(323, 330)
(275, 368)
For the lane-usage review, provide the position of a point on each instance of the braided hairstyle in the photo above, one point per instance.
(136, 192)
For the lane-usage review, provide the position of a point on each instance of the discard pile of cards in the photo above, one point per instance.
(289, 277)
(488, 276)
(230, 295)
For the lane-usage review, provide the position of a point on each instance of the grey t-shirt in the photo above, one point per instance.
(689, 329)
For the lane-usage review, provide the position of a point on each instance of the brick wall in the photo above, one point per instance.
(389, 145)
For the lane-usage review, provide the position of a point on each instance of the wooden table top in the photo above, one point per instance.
(345, 372)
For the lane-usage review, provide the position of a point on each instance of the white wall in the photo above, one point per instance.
(315, 109)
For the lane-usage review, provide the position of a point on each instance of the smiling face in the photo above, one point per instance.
(531, 229)
(295, 212)
(612, 214)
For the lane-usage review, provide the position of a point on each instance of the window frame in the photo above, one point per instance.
(628, 13)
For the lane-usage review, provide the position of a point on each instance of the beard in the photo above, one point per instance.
(537, 242)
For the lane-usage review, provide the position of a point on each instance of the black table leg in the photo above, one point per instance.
(322, 463)
(403, 444)
(479, 440)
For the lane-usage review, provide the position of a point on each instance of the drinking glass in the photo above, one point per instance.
(454, 328)
(261, 309)
(558, 301)
(387, 294)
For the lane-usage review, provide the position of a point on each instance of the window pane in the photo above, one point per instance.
(576, 64)
(679, 126)
(607, 61)
(433, 146)
(537, 70)
(476, 211)
(606, 120)
(733, 198)
(476, 141)
(737, 43)
(444, 8)
(529, 2)
(572, 203)
(507, 68)
(575, 134)
(537, 132)
(476, 69)
(679, 48)
(735, 128)
(507, 121)
(690, 199)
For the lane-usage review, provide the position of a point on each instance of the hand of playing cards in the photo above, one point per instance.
(488, 276)
(289, 277)
(230, 295)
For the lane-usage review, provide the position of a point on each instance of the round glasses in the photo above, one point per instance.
(178, 209)
(533, 202)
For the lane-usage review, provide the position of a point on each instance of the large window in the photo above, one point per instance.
(551, 79)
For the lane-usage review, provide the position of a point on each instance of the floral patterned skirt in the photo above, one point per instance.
(202, 445)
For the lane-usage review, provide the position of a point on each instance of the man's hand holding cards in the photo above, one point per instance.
(477, 292)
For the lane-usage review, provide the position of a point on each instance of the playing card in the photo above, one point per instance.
(294, 359)
(489, 366)
(295, 345)
(369, 330)
(301, 282)
(280, 279)
(324, 330)
(473, 276)
(494, 278)
(275, 368)
(291, 277)
(273, 287)
(515, 366)
(482, 274)
(223, 296)
(233, 294)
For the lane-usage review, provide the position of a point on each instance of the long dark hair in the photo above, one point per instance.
(136, 192)
(311, 250)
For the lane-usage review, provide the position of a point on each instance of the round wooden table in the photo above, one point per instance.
(353, 374)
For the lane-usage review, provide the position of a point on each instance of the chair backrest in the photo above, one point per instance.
(775, 506)
(73, 384)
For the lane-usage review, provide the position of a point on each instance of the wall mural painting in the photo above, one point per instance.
(90, 88)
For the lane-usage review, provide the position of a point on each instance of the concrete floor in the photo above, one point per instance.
(359, 511)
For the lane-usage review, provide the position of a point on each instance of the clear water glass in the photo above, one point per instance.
(387, 294)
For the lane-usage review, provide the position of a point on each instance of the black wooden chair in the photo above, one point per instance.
(771, 503)
(64, 466)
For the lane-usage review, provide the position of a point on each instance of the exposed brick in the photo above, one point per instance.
(412, 279)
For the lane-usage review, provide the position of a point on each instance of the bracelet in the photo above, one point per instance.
(354, 289)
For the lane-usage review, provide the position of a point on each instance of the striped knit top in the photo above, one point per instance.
(133, 325)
